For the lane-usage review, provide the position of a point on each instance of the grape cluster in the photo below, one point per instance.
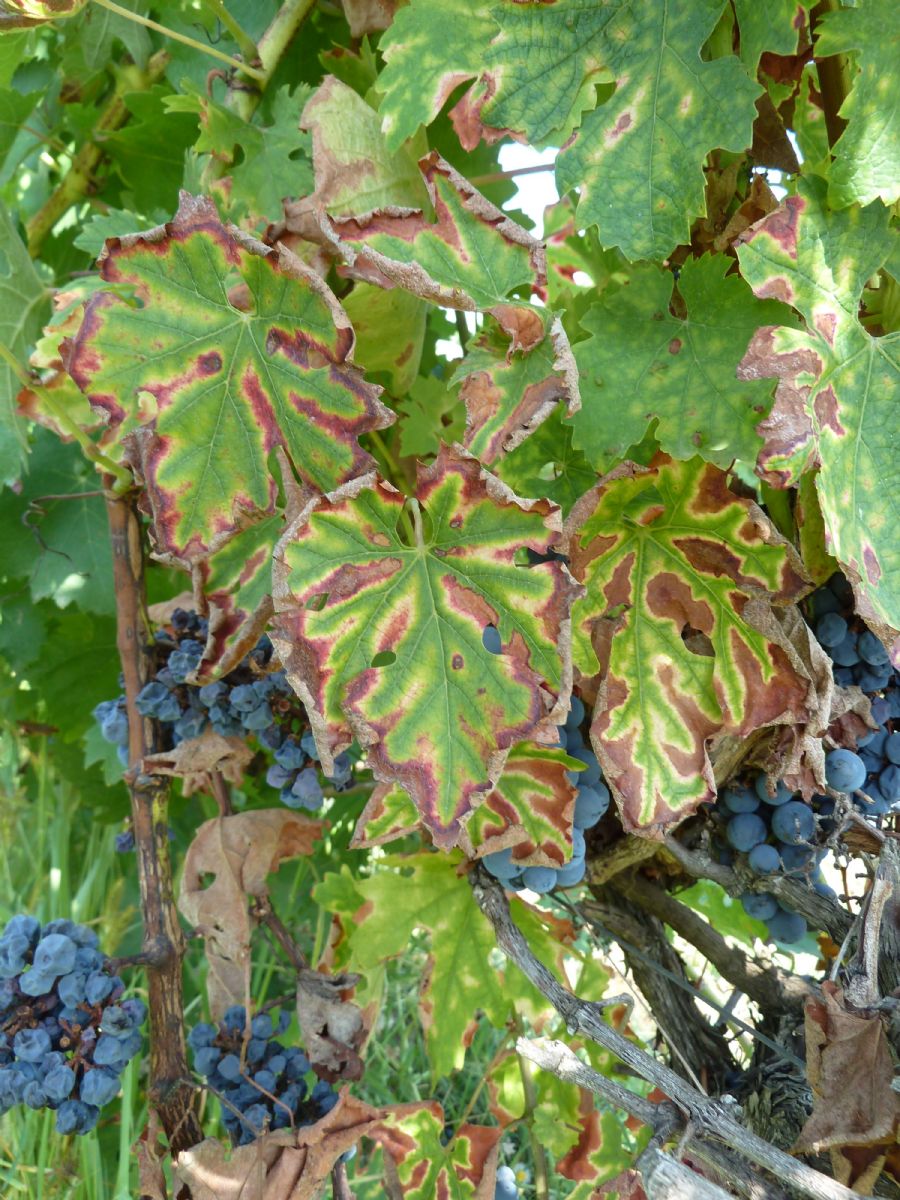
(66, 1035)
(777, 833)
(251, 701)
(590, 805)
(261, 1084)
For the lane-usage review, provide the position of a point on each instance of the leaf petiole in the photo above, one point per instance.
(253, 72)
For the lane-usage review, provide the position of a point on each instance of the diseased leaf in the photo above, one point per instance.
(369, 16)
(17, 14)
(530, 809)
(835, 404)
(24, 307)
(642, 363)
(381, 633)
(664, 553)
(331, 1025)
(509, 393)
(194, 760)
(637, 160)
(356, 171)
(235, 350)
(867, 154)
(389, 814)
(240, 851)
(470, 257)
(420, 1167)
(547, 464)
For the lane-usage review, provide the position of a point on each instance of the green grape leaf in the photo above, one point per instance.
(431, 47)
(547, 464)
(59, 544)
(90, 41)
(355, 171)
(381, 632)
(430, 414)
(508, 394)
(419, 1166)
(642, 364)
(273, 160)
(114, 223)
(835, 403)
(24, 306)
(236, 583)
(866, 163)
(637, 160)
(773, 25)
(390, 332)
(677, 621)
(470, 257)
(19, 14)
(14, 110)
(530, 809)
(236, 349)
(148, 152)
(428, 891)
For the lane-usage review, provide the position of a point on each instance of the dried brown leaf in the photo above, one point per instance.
(195, 759)
(333, 1028)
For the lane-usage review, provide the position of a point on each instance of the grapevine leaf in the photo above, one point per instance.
(419, 1166)
(196, 760)
(432, 47)
(547, 464)
(90, 41)
(389, 814)
(677, 621)
(114, 223)
(369, 16)
(236, 349)
(355, 171)
(55, 534)
(641, 364)
(427, 891)
(14, 109)
(24, 306)
(148, 153)
(530, 809)
(236, 586)
(390, 332)
(431, 413)
(508, 394)
(240, 851)
(470, 257)
(439, 716)
(272, 161)
(19, 14)
(637, 160)
(836, 396)
(773, 25)
(867, 154)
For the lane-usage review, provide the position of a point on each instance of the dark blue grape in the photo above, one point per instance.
(500, 864)
(590, 776)
(845, 653)
(58, 1084)
(871, 650)
(30, 1045)
(124, 842)
(891, 748)
(591, 804)
(539, 879)
(235, 1018)
(99, 1086)
(782, 792)
(795, 857)
(745, 830)
(571, 873)
(764, 859)
(98, 986)
(844, 770)
(760, 905)
(831, 629)
(306, 790)
(794, 823)
(889, 783)
(290, 755)
(212, 693)
(739, 799)
(786, 927)
(576, 712)
(309, 747)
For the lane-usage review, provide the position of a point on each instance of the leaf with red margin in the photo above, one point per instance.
(419, 1167)
(835, 403)
(509, 393)
(20, 14)
(530, 809)
(664, 552)
(389, 814)
(439, 717)
(470, 257)
(230, 350)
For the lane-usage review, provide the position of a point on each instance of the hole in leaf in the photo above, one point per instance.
(697, 642)
(318, 602)
(384, 658)
(491, 641)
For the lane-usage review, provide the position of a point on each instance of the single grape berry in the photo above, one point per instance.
(745, 830)
(786, 927)
(760, 905)
(739, 799)
(794, 823)
(782, 792)
(764, 859)
(844, 770)
(500, 864)
(539, 879)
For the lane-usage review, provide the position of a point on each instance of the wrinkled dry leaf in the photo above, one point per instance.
(850, 1071)
(333, 1028)
(626, 1186)
(240, 851)
(286, 1165)
(194, 760)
